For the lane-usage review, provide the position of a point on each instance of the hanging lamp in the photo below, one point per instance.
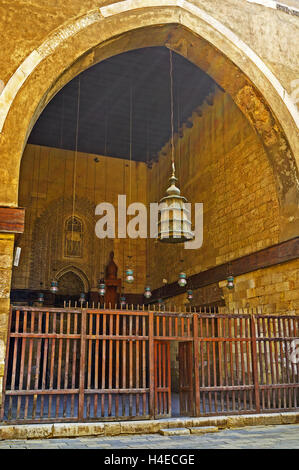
(82, 298)
(123, 301)
(189, 294)
(174, 222)
(230, 282)
(182, 281)
(54, 287)
(40, 297)
(102, 286)
(129, 276)
(147, 292)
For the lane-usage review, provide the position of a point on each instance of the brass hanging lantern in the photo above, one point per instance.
(174, 224)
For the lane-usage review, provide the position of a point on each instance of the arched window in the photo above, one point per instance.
(73, 238)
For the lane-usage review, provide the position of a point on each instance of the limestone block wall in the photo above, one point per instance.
(46, 191)
(275, 289)
(220, 162)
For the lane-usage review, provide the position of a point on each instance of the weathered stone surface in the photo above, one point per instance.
(78, 429)
(112, 429)
(204, 429)
(30, 431)
(174, 432)
(139, 427)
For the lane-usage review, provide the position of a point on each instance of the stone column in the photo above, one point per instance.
(6, 263)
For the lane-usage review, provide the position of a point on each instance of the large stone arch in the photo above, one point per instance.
(186, 29)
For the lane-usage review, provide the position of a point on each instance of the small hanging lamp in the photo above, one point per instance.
(182, 281)
(82, 298)
(102, 287)
(147, 292)
(189, 294)
(129, 276)
(54, 287)
(40, 297)
(123, 301)
(230, 282)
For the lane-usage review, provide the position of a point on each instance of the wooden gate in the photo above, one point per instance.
(162, 379)
(186, 379)
(73, 364)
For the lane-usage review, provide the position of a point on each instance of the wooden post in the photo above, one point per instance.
(82, 365)
(254, 364)
(196, 364)
(151, 365)
(2, 404)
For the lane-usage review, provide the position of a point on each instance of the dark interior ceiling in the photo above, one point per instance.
(104, 105)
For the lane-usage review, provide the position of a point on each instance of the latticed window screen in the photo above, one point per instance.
(73, 238)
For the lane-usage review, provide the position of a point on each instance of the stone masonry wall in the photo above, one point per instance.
(220, 162)
(46, 191)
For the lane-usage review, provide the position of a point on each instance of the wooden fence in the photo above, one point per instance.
(85, 364)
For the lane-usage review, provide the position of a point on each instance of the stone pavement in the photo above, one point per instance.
(257, 437)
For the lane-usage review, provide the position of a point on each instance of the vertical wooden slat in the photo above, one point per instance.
(82, 364)
(243, 365)
(14, 363)
(202, 363)
(220, 357)
(117, 365)
(282, 369)
(74, 361)
(254, 364)
(284, 330)
(89, 318)
(277, 378)
(169, 378)
(137, 367)
(144, 367)
(248, 362)
(103, 365)
(130, 367)
(29, 368)
(2, 408)
(208, 364)
(151, 364)
(59, 364)
(110, 364)
(45, 362)
(67, 357)
(124, 365)
(52, 357)
(196, 364)
(231, 363)
(37, 363)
